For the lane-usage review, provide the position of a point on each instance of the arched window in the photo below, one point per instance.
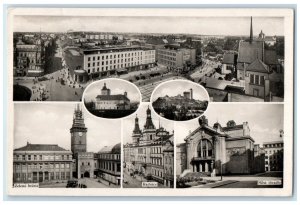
(204, 148)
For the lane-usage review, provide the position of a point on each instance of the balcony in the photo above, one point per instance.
(203, 158)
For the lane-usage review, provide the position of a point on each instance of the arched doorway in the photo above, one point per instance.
(86, 174)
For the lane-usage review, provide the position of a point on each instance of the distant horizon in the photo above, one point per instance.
(206, 26)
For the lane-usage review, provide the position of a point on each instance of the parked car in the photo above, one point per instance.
(73, 183)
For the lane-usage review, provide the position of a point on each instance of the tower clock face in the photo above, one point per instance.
(80, 134)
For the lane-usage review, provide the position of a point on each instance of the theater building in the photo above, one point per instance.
(216, 150)
(41, 163)
(109, 163)
(151, 152)
(105, 61)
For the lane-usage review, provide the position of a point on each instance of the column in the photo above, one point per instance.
(193, 167)
(212, 165)
(200, 167)
(206, 144)
(206, 166)
(201, 148)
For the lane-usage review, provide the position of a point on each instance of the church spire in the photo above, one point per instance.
(149, 124)
(136, 129)
(251, 31)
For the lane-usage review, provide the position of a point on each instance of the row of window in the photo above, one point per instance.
(46, 176)
(42, 166)
(110, 166)
(114, 56)
(42, 157)
(273, 145)
(157, 173)
(257, 79)
(166, 53)
(162, 57)
(168, 63)
(93, 64)
(109, 156)
(156, 161)
(272, 151)
(125, 65)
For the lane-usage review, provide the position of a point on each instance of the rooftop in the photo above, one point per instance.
(40, 147)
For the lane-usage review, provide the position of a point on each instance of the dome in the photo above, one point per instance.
(116, 149)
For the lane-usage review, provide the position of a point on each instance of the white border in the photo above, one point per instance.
(288, 104)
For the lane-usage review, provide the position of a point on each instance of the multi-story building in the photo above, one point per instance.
(273, 156)
(220, 150)
(175, 57)
(105, 61)
(151, 152)
(28, 59)
(35, 163)
(109, 163)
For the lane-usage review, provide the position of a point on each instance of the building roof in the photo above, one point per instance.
(40, 147)
(258, 66)
(270, 57)
(248, 52)
(112, 97)
(236, 127)
(115, 149)
(229, 58)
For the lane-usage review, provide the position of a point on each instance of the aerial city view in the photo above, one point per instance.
(170, 104)
(245, 64)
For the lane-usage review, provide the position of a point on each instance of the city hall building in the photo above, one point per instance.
(215, 150)
(105, 61)
(151, 152)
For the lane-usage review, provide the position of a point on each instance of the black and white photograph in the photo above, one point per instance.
(148, 151)
(57, 57)
(73, 152)
(238, 149)
(112, 98)
(150, 101)
(170, 102)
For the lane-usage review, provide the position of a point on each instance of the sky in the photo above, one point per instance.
(264, 120)
(152, 24)
(129, 122)
(116, 87)
(175, 87)
(50, 123)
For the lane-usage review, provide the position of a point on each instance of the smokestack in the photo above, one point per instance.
(191, 91)
(251, 31)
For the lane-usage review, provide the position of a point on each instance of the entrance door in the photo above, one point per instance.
(34, 176)
(40, 176)
(87, 174)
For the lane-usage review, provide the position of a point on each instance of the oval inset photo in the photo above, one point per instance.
(179, 100)
(112, 98)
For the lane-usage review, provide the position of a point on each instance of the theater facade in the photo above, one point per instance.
(216, 150)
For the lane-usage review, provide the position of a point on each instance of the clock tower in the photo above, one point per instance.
(78, 132)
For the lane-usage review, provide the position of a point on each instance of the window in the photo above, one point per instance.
(89, 58)
(204, 148)
(257, 79)
(262, 80)
(29, 157)
(251, 78)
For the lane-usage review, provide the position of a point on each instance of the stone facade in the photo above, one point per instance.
(219, 150)
(151, 152)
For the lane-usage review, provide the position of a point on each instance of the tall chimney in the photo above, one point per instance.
(251, 31)
(191, 93)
